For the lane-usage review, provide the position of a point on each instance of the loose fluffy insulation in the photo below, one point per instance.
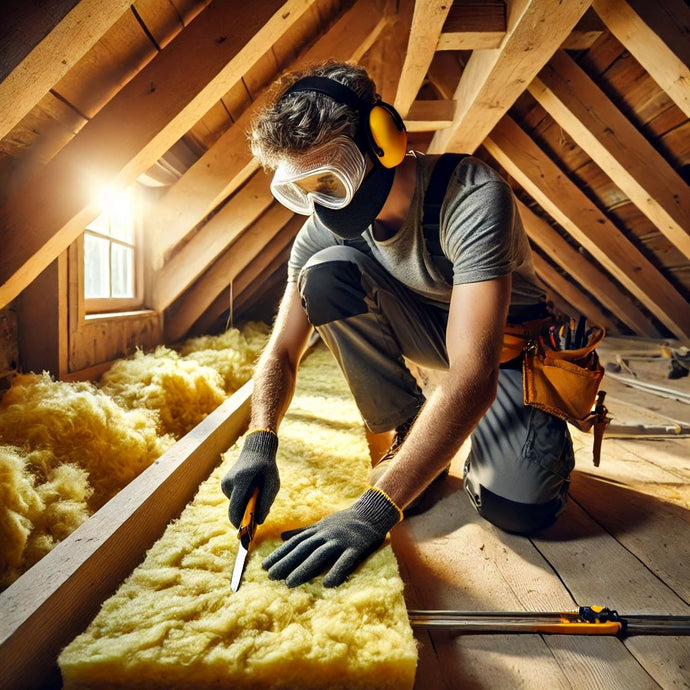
(70, 447)
(41, 502)
(176, 623)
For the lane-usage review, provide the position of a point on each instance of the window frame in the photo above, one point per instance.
(103, 305)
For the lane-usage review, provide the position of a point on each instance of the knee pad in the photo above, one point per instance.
(331, 290)
(512, 516)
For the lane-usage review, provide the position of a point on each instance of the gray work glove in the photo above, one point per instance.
(255, 466)
(340, 541)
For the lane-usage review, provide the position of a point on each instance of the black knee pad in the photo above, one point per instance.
(512, 516)
(331, 290)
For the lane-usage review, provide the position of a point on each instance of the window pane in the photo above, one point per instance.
(99, 224)
(96, 267)
(122, 271)
(121, 217)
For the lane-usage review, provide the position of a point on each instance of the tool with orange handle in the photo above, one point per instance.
(588, 620)
(245, 534)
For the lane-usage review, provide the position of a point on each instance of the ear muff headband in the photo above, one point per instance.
(383, 126)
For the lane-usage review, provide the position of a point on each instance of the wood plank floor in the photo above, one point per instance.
(623, 542)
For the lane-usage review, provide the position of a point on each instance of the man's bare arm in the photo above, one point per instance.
(474, 338)
(276, 370)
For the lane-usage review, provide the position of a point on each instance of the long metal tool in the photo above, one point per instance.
(245, 534)
(587, 620)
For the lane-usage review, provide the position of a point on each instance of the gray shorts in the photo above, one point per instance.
(517, 471)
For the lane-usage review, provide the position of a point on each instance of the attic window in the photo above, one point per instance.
(110, 268)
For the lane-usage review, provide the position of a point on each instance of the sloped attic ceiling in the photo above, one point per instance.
(583, 105)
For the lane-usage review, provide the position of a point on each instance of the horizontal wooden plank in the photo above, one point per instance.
(54, 601)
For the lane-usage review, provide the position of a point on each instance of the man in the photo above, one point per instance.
(382, 278)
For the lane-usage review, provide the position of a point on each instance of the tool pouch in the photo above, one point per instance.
(563, 383)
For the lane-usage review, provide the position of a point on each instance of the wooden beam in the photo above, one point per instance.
(493, 79)
(562, 287)
(133, 130)
(56, 599)
(586, 31)
(229, 162)
(652, 44)
(584, 272)
(427, 21)
(194, 302)
(251, 291)
(616, 146)
(279, 246)
(574, 212)
(211, 240)
(428, 116)
(473, 25)
(41, 42)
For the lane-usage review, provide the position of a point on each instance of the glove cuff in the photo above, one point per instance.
(261, 441)
(377, 507)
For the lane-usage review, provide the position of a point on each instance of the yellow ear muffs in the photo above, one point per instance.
(387, 135)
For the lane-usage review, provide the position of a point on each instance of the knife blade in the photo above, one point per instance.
(245, 534)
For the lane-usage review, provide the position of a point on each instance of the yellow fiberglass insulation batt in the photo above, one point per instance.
(175, 622)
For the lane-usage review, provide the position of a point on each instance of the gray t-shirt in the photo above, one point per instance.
(480, 234)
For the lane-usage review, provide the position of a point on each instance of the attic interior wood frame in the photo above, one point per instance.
(56, 599)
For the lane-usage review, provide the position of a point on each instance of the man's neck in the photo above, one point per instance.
(397, 205)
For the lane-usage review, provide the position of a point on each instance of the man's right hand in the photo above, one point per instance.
(255, 466)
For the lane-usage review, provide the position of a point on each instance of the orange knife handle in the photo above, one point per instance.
(248, 524)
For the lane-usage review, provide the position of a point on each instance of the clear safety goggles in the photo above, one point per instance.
(329, 175)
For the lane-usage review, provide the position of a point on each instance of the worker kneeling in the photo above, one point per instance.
(401, 256)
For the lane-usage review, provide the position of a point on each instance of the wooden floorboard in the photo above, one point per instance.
(623, 542)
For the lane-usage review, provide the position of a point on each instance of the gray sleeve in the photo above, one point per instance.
(477, 232)
(310, 239)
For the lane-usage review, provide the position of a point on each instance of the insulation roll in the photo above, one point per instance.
(175, 622)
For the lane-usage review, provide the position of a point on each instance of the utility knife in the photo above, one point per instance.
(245, 534)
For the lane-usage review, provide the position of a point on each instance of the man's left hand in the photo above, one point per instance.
(337, 543)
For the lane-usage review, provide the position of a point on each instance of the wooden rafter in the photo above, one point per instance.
(663, 49)
(212, 239)
(570, 292)
(428, 116)
(227, 267)
(133, 130)
(493, 79)
(584, 272)
(473, 26)
(427, 22)
(573, 211)
(616, 146)
(228, 163)
(41, 43)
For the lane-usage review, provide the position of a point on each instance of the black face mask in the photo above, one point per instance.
(350, 222)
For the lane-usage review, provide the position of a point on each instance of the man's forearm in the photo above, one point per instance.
(274, 386)
(445, 421)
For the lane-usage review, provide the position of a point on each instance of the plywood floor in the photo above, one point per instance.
(623, 542)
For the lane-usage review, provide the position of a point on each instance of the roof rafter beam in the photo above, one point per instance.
(578, 105)
(133, 130)
(585, 273)
(229, 162)
(427, 22)
(663, 49)
(573, 211)
(493, 79)
(41, 42)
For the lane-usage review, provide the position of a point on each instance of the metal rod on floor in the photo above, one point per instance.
(588, 620)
